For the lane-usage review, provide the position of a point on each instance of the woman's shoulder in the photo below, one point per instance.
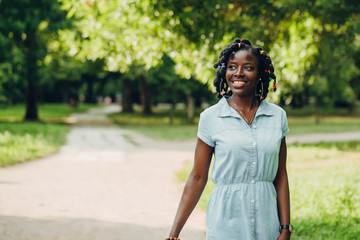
(273, 107)
(212, 110)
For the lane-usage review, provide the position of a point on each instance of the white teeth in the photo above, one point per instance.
(237, 82)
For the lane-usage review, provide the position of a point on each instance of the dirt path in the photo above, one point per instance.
(102, 187)
(99, 186)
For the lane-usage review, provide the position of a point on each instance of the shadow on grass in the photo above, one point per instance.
(22, 228)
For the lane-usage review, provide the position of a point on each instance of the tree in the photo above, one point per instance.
(315, 51)
(121, 33)
(25, 27)
(303, 37)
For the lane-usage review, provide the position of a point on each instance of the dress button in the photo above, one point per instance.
(253, 201)
(252, 220)
(254, 125)
(254, 163)
(254, 143)
(252, 181)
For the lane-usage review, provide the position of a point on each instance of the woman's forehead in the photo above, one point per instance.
(243, 54)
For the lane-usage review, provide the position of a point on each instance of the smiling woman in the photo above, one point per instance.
(256, 60)
(246, 135)
(242, 73)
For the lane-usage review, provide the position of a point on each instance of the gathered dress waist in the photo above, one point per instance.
(251, 181)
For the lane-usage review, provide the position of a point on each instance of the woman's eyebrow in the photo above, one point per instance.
(247, 63)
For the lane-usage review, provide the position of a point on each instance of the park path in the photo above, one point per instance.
(102, 187)
(98, 187)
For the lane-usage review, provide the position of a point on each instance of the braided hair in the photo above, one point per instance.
(265, 68)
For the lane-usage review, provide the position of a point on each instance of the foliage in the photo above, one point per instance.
(168, 87)
(21, 142)
(324, 182)
(25, 28)
(314, 45)
(114, 31)
(316, 52)
(206, 28)
(304, 38)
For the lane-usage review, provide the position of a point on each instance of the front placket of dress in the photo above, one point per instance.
(252, 165)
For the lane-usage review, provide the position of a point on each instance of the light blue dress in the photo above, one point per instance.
(243, 205)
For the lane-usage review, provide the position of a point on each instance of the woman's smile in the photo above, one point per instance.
(242, 73)
(238, 83)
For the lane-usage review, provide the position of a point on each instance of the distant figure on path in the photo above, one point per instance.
(246, 135)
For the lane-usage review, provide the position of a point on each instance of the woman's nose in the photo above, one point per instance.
(238, 71)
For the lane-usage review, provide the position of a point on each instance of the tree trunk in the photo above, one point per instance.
(31, 78)
(190, 108)
(352, 105)
(89, 98)
(31, 101)
(127, 102)
(145, 96)
(172, 113)
(317, 111)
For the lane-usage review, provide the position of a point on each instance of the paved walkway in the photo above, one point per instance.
(102, 187)
(98, 187)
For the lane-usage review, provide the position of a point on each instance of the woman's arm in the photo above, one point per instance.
(282, 188)
(194, 186)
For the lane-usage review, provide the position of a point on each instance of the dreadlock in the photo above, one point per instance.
(266, 69)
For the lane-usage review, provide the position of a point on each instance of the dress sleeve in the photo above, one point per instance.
(284, 125)
(204, 127)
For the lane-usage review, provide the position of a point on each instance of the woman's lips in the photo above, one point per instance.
(238, 84)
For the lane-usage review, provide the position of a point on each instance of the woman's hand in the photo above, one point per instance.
(284, 235)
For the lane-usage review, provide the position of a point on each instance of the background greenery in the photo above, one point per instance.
(150, 52)
(23, 141)
(20, 142)
(50, 112)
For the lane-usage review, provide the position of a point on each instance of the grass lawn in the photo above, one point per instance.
(157, 126)
(324, 184)
(328, 124)
(52, 112)
(23, 141)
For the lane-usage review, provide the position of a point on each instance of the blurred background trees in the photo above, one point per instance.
(151, 51)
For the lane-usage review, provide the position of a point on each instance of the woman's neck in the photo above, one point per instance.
(246, 104)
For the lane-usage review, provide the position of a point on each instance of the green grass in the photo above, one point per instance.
(324, 184)
(23, 141)
(157, 126)
(47, 112)
(328, 124)
(325, 111)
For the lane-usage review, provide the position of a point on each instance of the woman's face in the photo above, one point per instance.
(242, 73)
